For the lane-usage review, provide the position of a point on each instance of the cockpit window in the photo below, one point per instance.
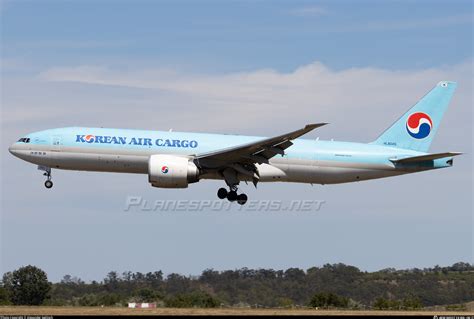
(24, 140)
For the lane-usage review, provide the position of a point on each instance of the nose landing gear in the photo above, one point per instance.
(47, 172)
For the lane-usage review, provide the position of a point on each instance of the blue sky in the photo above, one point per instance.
(238, 67)
(216, 36)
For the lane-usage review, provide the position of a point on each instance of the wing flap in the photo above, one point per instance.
(256, 152)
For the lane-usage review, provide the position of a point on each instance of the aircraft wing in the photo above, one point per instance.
(422, 158)
(256, 152)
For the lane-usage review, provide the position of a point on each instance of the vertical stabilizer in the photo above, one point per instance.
(416, 128)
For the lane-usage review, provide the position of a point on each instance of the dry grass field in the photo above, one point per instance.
(17, 310)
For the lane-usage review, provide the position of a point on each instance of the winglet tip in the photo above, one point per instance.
(315, 125)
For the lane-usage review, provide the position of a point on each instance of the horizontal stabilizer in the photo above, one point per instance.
(422, 158)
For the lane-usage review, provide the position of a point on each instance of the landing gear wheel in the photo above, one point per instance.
(48, 184)
(242, 199)
(222, 193)
(232, 196)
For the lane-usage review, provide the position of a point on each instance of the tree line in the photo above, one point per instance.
(329, 286)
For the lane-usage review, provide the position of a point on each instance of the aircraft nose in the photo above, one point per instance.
(13, 150)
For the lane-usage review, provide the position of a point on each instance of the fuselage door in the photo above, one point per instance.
(56, 143)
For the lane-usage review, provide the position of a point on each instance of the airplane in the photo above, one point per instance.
(176, 159)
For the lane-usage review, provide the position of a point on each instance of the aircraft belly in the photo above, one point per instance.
(336, 175)
(99, 162)
(273, 173)
(301, 170)
(316, 172)
(332, 172)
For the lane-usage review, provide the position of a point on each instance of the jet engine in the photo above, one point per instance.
(168, 171)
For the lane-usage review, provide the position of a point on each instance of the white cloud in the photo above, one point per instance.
(358, 103)
(310, 93)
(311, 11)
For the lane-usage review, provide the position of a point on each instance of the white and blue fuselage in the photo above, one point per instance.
(128, 151)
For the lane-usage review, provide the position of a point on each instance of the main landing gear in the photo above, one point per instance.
(231, 195)
(47, 172)
(230, 178)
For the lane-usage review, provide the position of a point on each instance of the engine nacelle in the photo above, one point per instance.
(168, 171)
